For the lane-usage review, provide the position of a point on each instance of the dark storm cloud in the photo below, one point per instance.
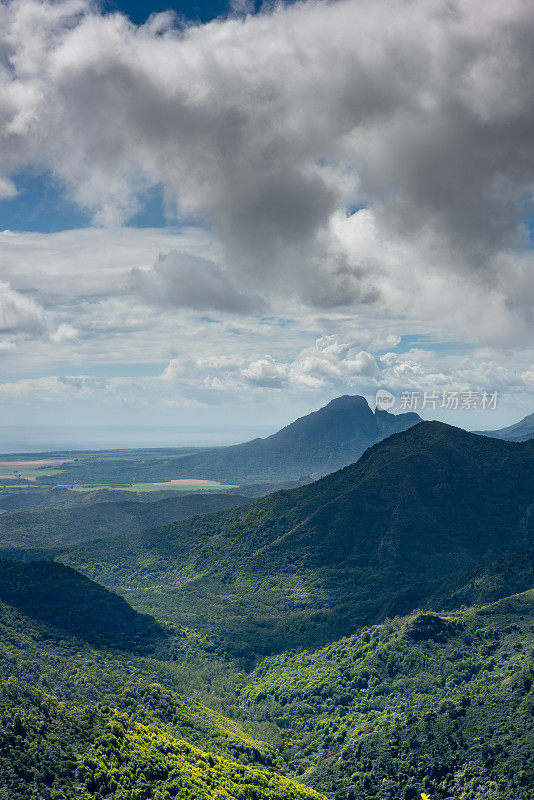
(181, 280)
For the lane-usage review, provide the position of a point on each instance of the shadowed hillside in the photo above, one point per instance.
(59, 595)
(55, 526)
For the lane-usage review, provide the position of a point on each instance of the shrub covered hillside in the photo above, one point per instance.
(150, 689)
(53, 751)
(409, 704)
(477, 744)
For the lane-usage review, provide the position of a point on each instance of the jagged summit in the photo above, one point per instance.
(315, 444)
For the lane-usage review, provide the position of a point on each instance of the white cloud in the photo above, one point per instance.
(65, 333)
(216, 390)
(88, 263)
(361, 166)
(269, 127)
(18, 313)
(266, 372)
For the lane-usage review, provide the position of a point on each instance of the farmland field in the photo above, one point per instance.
(131, 470)
(180, 486)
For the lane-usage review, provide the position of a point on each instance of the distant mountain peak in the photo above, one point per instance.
(312, 445)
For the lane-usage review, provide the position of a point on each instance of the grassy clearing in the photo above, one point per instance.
(37, 473)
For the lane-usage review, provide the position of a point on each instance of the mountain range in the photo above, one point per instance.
(300, 567)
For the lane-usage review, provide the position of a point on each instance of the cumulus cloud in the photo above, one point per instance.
(18, 313)
(64, 333)
(266, 372)
(331, 363)
(271, 389)
(182, 280)
(307, 136)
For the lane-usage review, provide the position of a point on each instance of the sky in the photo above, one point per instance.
(215, 218)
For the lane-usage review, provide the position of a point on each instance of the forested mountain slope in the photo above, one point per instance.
(304, 566)
(487, 583)
(59, 595)
(441, 703)
(150, 688)
(53, 751)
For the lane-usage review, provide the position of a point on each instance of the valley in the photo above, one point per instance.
(368, 635)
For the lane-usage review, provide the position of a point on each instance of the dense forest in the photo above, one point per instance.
(350, 720)
(56, 751)
(50, 527)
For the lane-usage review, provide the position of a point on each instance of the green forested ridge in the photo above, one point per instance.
(53, 526)
(135, 761)
(148, 688)
(441, 703)
(187, 719)
(305, 566)
(41, 744)
(35, 496)
(492, 580)
(477, 745)
(380, 665)
(74, 669)
(320, 442)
